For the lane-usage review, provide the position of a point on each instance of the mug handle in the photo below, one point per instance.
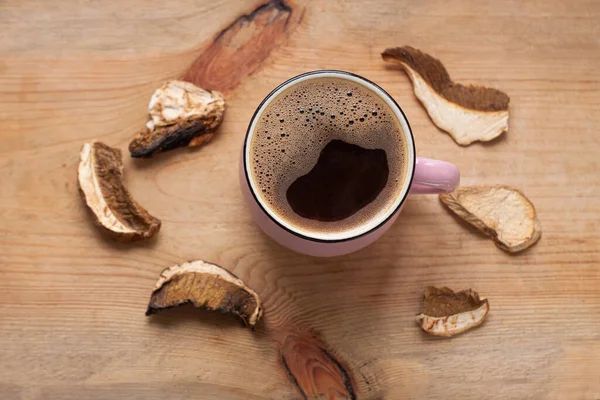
(434, 176)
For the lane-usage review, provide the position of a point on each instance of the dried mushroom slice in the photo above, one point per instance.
(501, 212)
(446, 313)
(181, 114)
(467, 113)
(100, 176)
(206, 286)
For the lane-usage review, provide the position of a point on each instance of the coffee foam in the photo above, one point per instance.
(296, 125)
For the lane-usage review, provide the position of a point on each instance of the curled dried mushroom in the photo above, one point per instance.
(501, 212)
(446, 313)
(206, 286)
(468, 113)
(181, 114)
(100, 177)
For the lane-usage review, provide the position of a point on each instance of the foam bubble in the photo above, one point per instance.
(311, 115)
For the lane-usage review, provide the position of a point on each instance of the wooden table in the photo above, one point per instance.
(72, 322)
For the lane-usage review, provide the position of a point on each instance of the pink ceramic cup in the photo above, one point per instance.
(423, 176)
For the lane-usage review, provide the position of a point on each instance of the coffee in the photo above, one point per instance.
(327, 155)
(346, 178)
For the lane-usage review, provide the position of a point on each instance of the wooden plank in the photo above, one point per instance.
(72, 304)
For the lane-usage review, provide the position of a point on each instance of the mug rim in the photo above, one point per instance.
(397, 111)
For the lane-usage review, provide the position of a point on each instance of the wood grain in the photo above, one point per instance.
(72, 322)
(239, 50)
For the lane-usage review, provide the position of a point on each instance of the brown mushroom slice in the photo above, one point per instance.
(467, 113)
(181, 114)
(206, 286)
(100, 177)
(501, 212)
(446, 313)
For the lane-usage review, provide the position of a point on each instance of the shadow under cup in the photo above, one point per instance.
(438, 176)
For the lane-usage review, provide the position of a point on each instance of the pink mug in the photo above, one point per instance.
(423, 176)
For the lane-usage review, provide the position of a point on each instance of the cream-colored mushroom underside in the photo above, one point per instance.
(453, 324)
(90, 186)
(178, 101)
(506, 211)
(202, 267)
(464, 125)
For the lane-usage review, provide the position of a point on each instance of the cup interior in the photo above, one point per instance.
(369, 225)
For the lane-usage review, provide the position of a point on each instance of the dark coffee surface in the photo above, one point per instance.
(345, 179)
(291, 133)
